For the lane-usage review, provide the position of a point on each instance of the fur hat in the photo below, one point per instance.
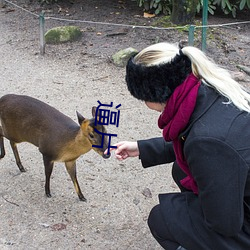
(156, 83)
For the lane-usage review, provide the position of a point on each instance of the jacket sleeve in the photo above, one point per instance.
(220, 173)
(155, 151)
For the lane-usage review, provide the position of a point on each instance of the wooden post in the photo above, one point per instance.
(42, 31)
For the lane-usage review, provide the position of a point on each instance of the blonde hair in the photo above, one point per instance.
(202, 67)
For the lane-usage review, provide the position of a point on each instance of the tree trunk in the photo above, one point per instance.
(183, 11)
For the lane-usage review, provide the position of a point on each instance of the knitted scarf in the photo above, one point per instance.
(174, 119)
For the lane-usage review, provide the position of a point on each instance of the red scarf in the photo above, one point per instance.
(174, 119)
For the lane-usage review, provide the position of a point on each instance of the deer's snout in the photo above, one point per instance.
(106, 156)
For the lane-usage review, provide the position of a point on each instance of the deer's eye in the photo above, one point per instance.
(91, 136)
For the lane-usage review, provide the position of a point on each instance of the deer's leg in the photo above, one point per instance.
(18, 161)
(1, 144)
(71, 168)
(48, 165)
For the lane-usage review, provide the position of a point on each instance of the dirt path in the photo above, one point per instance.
(74, 77)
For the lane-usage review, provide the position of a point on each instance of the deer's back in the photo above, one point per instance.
(24, 118)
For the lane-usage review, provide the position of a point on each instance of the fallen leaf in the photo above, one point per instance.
(147, 15)
(58, 227)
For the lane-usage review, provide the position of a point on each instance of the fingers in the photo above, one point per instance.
(125, 149)
(121, 150)
(121, 147)
(111, 149)
(118, 145)
(121, 157)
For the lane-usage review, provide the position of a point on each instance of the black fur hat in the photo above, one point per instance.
(156, 83)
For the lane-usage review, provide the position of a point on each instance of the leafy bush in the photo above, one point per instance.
(211, 7)
(157, 6)
(244, 3)
(232, 6)
(226, 6)
(165, 6)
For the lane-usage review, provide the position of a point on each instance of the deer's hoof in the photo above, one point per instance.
(48, 195)
(82, 198)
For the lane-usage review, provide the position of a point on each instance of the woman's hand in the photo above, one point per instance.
(125, 149)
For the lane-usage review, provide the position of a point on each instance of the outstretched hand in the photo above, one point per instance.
(125, 149)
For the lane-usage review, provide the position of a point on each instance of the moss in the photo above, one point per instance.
(121, 58)
(63, 34)
(163, 22)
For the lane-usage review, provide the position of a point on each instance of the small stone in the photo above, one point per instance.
(63, 34)
(2, 3)
(121, 58)
(136, 201)
(45, 225)
(239, 76)
(147, 193)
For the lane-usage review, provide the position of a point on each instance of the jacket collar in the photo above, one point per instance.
(205, 99)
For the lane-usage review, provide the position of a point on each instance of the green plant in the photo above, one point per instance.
(244, 3)
(158, 6)
(165, 6)
(211, 7)
(226, 6)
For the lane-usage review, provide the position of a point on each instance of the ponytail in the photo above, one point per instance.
(218, 78)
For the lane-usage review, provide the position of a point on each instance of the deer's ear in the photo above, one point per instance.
(94, 111)
(80, 118)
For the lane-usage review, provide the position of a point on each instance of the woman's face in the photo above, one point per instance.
(156, 106)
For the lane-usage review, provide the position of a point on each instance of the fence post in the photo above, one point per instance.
(42, 31)
(191, 35)
(204, 24)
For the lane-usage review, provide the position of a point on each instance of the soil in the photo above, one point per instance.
(74, 76)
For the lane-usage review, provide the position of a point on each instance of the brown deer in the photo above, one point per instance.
(58, 138)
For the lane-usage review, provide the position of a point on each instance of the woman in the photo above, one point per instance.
(205, 118)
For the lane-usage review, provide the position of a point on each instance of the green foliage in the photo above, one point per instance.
(165, 6)
(158, 6)
(244, 4)
(211, 7)
(226, 6)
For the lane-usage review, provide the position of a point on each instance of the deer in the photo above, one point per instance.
(58, 138)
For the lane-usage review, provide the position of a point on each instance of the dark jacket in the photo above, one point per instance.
(216, 145)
